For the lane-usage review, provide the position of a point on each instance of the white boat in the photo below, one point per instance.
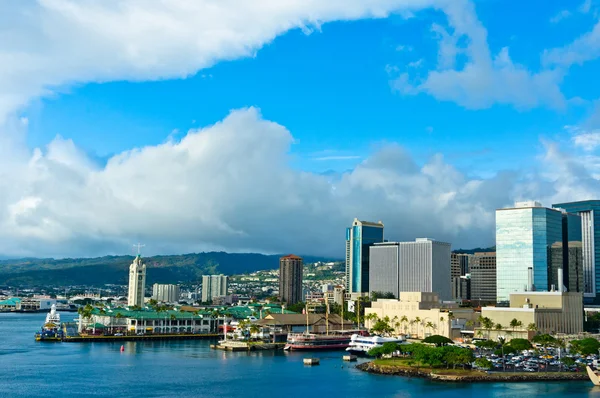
(53, 316)
(362, 344)
(593, 376)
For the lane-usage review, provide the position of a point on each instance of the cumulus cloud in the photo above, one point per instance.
(484, 79)
(230, 187)
(48, 45)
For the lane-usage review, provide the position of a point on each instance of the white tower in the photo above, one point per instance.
(137, 281)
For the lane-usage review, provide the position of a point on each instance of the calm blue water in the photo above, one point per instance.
(191, 368)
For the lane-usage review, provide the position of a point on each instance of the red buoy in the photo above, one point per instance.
(122, 348)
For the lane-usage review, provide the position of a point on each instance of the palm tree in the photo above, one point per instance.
(532, 327)
(498, 328)
(412, 323)
(514, 323)
(418, 322)
(404, 320)
(430, 325)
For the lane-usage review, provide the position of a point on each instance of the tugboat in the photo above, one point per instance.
(51, 330)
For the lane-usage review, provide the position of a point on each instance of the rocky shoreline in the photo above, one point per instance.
(371, 367)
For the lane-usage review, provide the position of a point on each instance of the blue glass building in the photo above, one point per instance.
(589, 210)
(523, 236)
(359, 237)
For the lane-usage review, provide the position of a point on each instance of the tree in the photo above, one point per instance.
(585, 346)
(442, 319)
(430, 326)
(437, 340)
(483, 363)
(498, 327)
(418, 322)
(532, 327)
(404, 321)
(520, 344)
(382, 327)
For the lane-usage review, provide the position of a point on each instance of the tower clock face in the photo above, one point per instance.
(140, 277)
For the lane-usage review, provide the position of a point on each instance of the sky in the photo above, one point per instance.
(268, 126)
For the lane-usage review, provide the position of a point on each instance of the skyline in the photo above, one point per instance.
(268, 128)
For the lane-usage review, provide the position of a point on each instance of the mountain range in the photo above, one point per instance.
(184, 268)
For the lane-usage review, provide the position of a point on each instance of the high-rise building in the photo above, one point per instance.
(459, 264)
(137, 282)
(165, 293)
(483, 277)
(525, 238)
(290, 279)
(213, 286)
(359, 237)
(459, 268)
(419, 266)
(589, 211)
(568, 256)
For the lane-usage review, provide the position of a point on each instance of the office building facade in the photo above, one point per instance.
(290, 279)
(213, 286)
(419, 266)
(589, 211)
(459, 268)
(137, 282)
(523, 235)
(483, 277)
(165, 293)
(359, 237)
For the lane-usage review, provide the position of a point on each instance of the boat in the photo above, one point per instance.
(362, 344)
(593, 376)
(51, 331)
(317, 341)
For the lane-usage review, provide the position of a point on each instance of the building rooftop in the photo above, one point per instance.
(292, 256)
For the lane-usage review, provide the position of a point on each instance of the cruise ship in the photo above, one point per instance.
(51, 330)
(362, 344)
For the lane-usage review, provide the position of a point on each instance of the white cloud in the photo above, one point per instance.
(49, 44)
(583, 49)
(484, 79)
(588, 140)
(230, 186)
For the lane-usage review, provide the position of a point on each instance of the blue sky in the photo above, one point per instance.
(491, 87)
(331, 90)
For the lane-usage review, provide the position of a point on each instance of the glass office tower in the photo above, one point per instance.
(523, 235)
(359, 237)
(589, 211)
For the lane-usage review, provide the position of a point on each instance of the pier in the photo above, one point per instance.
(145, 337)
(232, 345)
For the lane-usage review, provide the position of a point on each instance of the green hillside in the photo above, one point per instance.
(114, 269)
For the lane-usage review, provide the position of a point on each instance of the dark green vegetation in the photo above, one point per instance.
(114, 269)
(476, 250)
(421, 355)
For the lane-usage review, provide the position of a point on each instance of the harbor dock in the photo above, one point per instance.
(233, 345)
(145, 337)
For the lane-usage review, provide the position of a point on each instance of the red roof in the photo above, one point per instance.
(292, 256)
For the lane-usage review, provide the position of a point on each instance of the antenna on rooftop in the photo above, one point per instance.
(139, 247)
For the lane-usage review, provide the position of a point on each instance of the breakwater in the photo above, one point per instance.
(471, 376)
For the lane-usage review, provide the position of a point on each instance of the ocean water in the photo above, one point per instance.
(191, 369)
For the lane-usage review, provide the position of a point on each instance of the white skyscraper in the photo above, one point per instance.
(137, 282)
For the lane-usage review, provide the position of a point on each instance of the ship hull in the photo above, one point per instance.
(315, 342)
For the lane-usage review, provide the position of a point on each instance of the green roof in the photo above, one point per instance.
(149, 314)
(11, 301)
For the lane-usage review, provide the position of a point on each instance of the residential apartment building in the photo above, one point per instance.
(419, 266)
(359, 237)
(165, 293)
(290, 279)
(214, 286)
